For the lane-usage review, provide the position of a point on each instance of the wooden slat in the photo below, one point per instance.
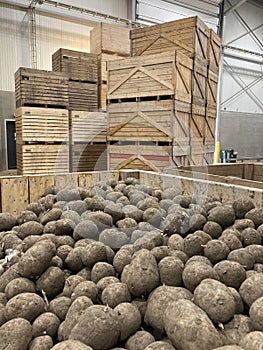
(214, 51)
(83, 96)
(211, 88)
(199, 82)
(103, 58)
(102, 96)
(210, 125)
(168, 73)
(89, 157)
(37, 185)
(41, 124)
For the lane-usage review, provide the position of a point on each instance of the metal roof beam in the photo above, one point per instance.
(234, 7)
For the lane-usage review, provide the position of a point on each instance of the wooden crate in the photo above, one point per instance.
(42, 158)
(181, 155)
(139, 155)
(83, 96)
(88, 127)
(209, 153)
(35, 124)
(143, 120)
(34, 87)
(165, 74)
(199, 82)
(188, 35)
(88, 157)
(110, 38)
(181, 123)
(214, 51)
(211, 88)
(210, 125)
(80, 66)
(103, 58)
(197, 125)
(102, 96)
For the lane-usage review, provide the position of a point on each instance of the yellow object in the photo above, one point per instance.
(217, 152)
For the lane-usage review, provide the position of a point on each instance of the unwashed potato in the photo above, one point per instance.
(252, 288)
(252, 340)
(256, 314)
(70, 345)
(15, 334)
(43, 342)
(129, 319)
(139, 340)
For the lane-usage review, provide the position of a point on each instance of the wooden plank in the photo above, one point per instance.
(83, 96)
(199, 82)
(102, 96)
(197, 124)
(14, 194)
(88, 126)
(89, 157)
(210, 125)
(167, 73)
(188, 35)
(211, 88)
(103, 58)
(63, 180)
(41, 124)
(37, 186)
(181, 123)
(110, 38)
(80, 66)
(214, 51)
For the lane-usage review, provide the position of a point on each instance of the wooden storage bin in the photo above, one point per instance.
(34, 87)
(165, 74)
(83, 96)
(140, 155)
(110, 38)
(102, 95)
(88, 157)
(77, 65)
(35, 124)
(214, 51)
(199, 82)
(197, 125)
(88, 127)
(103, 58)
(143, 120)
(210, 125)
(181, 123)
(188, 35)
(42, 159)
(181, 155)
(211, 88)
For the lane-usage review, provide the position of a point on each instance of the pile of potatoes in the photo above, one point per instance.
(124, 265)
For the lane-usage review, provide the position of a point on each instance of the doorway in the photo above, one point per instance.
(10, 128)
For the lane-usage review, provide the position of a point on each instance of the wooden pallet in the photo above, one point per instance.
(41, 88)
(42, 158)
(139, 155)
(199, 82)
(80, 66)
(41, 124)
(110, 38)
(88, 157)
(214, 51)
(103, 58)
(211, 88)
(88, 126)
(167, 73)
(83, 96)
(210, 125)
(188, 35)
(102, 96)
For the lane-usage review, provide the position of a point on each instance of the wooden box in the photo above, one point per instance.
(102, 96)
(210, 125)
(102, 65)
(110, 38)
(165, 74)
(34, 87)
(181, 123)
(197, 125)
(35, 124)
(211, 88)
(141, 155)
(88, 157)
(181, 155)
(88, 127)
(214, 51)
(42, 159)
(144, 120)
(188, 35)
(80, 66)
(83, 96)
(199, 82)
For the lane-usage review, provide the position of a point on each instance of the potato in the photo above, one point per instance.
(170, 270)
(229, 347)
(93, 253)
(122, 258)
(2, 314)
(25, 305)
(86, 288)
(30, 228)
(241, 224)
(149, 240)
(36, 259)
(215, 299)
(216, 250)
(257, 251)
(224, 215)
(45, 324)
(70, 345)
(129, 319)
(70, 283)
(177, 222)
(189, 327)
(64, 227)
(195, 272)
(213, 229)
(231, 240)
(105, 281)
(139, 341)
(115, 293)
(75, 310)
(160, 252)
(231, 273)
(25, 216)
(159, 345)
(252, 288)
(43, 342)
(238, 300)
(252, 340)
(11, 241)
(101, 269)
(59, 306)
(198, 258)
(141, 275)
(242, 206)
(256, 314)
(176, 242)
(127, 225)
(243, 257)
(236, 328)
(194, 243)
(15, 334)
(106, 333)
(114, 210)
(51, 281)
(86, 229)
(141, 304)
(51, 215)
(251, 236)
(159, 300)
(256, 215)
(68, 194)
(19, 285)
(8, 276)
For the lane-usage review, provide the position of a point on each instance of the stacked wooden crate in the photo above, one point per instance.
(41, 121)
(146, 97)
(109, 42)
(191, 37)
